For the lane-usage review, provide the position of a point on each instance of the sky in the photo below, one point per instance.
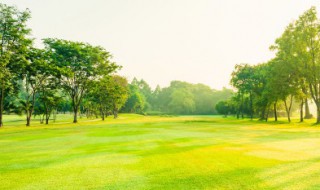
(198, 41)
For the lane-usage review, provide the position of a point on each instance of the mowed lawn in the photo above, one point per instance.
(151, 152)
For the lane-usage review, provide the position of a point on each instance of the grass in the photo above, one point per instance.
(153, 152)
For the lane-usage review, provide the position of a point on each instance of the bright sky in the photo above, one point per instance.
(197, 41)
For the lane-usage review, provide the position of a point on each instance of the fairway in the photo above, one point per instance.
(142, 152)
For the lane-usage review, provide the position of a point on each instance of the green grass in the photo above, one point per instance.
(153, 152)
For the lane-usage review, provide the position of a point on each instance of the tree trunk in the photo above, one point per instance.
(28, 122)
(251, 106)
(307, 110)
(1, 122)
(242, 106)
(75, 115)
(239, 106)
(267, 116)
(28, 118)
(30, 111)
(1, 105)
(102, 114)
(275, 111)
(318, 113)
(115, 114)
(29, 115)
(47, 116)
(301, 110)
(288, 108)
(75, 106)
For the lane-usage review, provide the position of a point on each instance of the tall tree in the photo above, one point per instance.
(37, 74)
(244, 79)
(298, 49)
(118, 93)
(308, 32)
(79, 64)
(13, 46)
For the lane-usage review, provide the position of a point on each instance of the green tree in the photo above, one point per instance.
(37, 74)
(13, 47)
(79, 64)
(118, 93)
(223, 108)
(308, 33)
(182, 102)
(109, 94)
(136, 101)
(244, 79)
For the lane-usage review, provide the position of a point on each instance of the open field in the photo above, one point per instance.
(139, 152)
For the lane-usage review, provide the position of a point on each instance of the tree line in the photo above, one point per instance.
(291, 77)
(180, 98)
(38, 81)
(68, 76)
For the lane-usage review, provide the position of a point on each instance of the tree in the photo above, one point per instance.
(13, 46)
(37, 74)
(136, 101)
(50, 100)
(223, 108)
(79, 64)
(154, 101)
(297, 49)
(204, 99)
(244, 79)
(308, 32)
(118, 93)
(182, 102)
(109, 94)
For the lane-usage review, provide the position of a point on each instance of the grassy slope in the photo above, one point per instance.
(137, 152)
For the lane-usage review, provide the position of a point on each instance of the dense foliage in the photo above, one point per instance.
(57, 78)
(291, 77)
(180, 98)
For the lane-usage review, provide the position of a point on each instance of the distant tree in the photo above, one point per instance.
(220, 95)
(223, 108)
(135, 102)
(186, 98)
(154, 101)
(204, 99)
(182, 102)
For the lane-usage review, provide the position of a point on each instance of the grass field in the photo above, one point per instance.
(140, 152)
